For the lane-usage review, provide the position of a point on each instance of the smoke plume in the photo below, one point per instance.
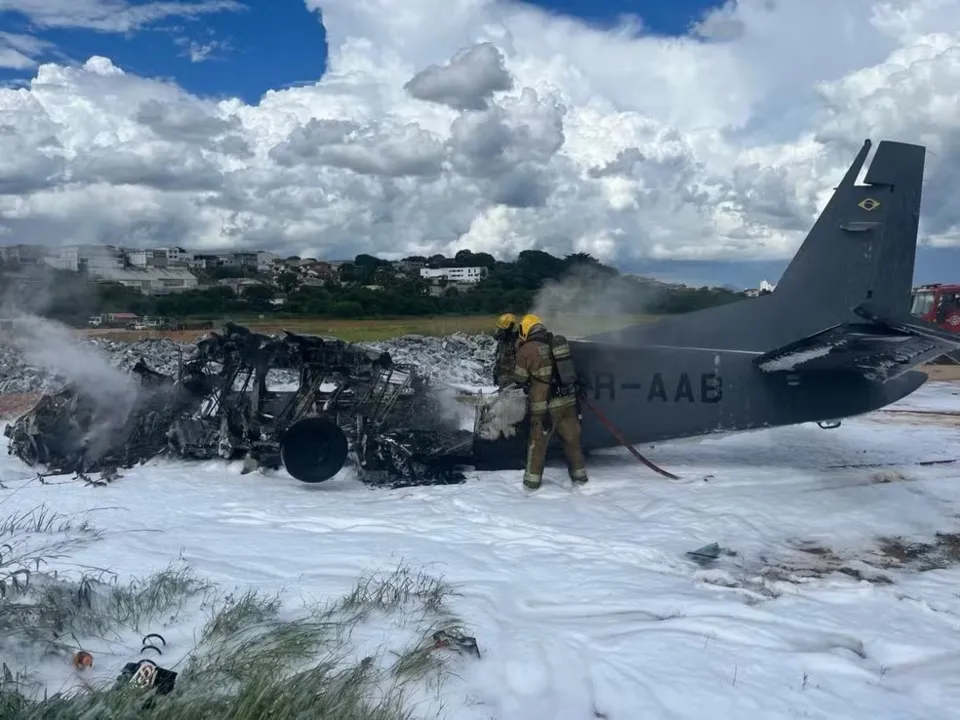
(113, 393)
(55, 348)
(452, 412)
(590, 299)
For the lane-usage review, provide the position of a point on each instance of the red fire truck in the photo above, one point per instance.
(939, 304)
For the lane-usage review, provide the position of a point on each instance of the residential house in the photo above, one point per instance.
(248, 260)
(178, 256)
(205, 261)
(95, 260)
(63, 258)
(319, 269)
(20, 255)
(765, 287)
(148, 258)
(264, 260)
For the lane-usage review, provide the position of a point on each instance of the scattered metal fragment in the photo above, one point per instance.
(456, 641)
(709, 553)
(147, 675)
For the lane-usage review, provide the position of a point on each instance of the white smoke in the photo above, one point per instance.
(454, 411)
(588, 300)
(54, 347)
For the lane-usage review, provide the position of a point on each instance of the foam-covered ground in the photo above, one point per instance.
(584, 603)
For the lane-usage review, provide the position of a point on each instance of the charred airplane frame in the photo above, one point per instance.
(350, 399)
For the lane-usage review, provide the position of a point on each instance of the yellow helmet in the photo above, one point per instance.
(528, 323)
(507, 321)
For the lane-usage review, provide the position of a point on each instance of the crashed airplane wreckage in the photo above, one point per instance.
(351, 401)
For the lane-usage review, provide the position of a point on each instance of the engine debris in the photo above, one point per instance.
(351, 400)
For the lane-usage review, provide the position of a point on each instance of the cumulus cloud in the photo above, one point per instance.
(467, 82)
(494, 126)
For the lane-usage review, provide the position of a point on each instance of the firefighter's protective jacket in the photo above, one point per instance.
(534, 365)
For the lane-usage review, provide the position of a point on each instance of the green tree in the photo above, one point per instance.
(259, 296)
(287, 281)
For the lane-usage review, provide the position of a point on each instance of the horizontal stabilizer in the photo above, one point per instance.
(878, 349)
(913, 326)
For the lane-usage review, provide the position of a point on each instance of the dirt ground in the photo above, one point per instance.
(950, 373)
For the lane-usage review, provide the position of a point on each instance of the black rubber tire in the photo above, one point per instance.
(313, 449)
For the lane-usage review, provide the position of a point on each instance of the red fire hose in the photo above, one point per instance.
(619, 437)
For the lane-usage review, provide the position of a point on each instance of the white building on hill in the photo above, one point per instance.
(454, 274)
(151, 280)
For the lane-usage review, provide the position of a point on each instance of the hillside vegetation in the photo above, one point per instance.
(371, 287)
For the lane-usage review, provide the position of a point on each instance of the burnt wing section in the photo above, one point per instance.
(350, 401)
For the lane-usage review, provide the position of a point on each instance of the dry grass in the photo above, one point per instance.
(353, 330)
(378, 329)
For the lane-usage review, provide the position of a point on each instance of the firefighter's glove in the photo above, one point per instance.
(547, 423)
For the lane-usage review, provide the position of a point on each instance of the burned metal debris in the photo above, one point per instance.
(350, 400)
(459, 359)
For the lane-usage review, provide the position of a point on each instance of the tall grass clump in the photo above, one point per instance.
(242, 655)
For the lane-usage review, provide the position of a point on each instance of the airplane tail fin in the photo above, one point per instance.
(862, 247)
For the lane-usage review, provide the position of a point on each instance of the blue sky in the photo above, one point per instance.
(281, 43)
(243, 54)
(276, 44)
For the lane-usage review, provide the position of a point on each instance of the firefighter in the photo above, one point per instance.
(545, 367)
(508, 335)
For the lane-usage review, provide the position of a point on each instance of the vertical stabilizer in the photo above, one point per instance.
(862, 248)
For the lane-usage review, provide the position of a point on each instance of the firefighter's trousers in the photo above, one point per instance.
(563, 420)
